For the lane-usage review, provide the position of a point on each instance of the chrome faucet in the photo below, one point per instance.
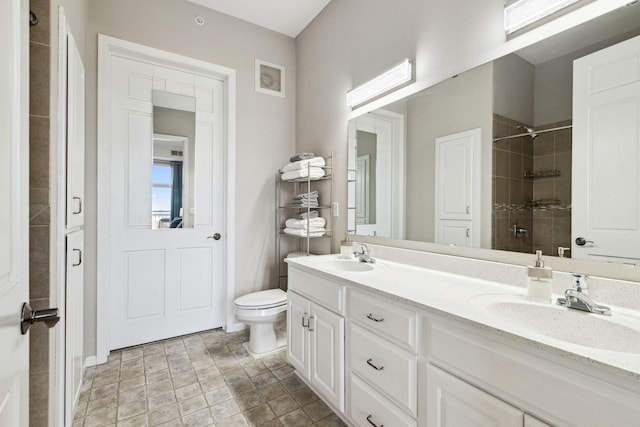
(364, 256)
(578, 297)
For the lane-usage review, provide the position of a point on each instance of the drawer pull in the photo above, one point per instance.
(372, 423)
(374, 318)
(377, 368)
(305, 324)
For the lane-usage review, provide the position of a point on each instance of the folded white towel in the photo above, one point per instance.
(303, 173)
(303, 164)
(302, 223)
(303, 233)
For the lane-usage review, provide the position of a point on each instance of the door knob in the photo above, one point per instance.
(216, 236)
(581, 241)
(30, 316)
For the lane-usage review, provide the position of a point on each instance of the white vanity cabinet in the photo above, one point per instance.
(315, 328)
(381, 362)
(452, 402)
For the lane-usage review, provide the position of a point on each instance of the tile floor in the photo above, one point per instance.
(204, 379)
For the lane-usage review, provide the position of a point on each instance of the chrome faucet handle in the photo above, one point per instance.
(580, 282)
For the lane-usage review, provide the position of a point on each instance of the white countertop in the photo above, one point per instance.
(465, 299)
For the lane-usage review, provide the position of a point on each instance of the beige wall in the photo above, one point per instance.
(265, 124)
(453, 106)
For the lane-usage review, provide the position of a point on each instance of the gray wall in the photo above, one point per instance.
(513, 81)
(265, 124)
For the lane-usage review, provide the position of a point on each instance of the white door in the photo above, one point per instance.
(457, 192)
(606, 154)
(14, 191)
(326, 331)
(454, 403)
(75, 135)
(164, 282)
(363, 196)
(298, 309)
(74, 319)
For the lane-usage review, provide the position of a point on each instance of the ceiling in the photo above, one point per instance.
(288, 17)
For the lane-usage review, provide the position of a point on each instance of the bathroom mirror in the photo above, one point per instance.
(501, 132)
(173, 163)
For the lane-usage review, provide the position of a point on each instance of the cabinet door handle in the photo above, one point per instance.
(377, 368)
(468, 209)
(305, 320)
(79, 205)
(370, 316)
(311, 326)
(369, 417)
(468, 232)
(75, 264)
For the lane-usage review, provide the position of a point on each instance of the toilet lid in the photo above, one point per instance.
(262, 299)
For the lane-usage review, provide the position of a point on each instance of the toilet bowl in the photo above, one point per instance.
(261, 311)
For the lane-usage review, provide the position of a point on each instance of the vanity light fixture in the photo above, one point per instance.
(398, 75)
(520, 13)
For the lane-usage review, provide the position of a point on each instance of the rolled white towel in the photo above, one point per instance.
(303, 173)
(303, 233)
(303, 164)
(302, 223)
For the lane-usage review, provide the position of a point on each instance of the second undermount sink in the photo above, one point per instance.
(617, 333)
(346, 265)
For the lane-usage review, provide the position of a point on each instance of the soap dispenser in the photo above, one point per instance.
(346, 248)
(539, 285)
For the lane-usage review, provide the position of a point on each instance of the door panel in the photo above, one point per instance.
(606, 154)
(327, 354)
(194, 278)
(75, 135)
(145, 284)
(74, 319)
(298, 309)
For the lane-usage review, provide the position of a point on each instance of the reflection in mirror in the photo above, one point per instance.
(534, 128)
(173, 174)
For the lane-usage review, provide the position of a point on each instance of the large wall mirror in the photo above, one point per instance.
(173, 162)
(535, 150)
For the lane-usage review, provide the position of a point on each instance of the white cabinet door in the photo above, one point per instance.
(327, 354)
(74, 318)
(298, 309)
(606, 154)
(75, 135)
(452, 403)
(452, 232)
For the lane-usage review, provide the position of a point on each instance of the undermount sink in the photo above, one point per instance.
(617, 333)
(346, 265)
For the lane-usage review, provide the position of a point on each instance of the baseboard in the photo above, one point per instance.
(90, 361)
(235, 327)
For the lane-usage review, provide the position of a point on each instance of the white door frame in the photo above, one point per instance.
(107, 48)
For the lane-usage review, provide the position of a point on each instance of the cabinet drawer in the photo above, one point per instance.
(395, 322)
(368, 408)
(326, 293)
(389, 368)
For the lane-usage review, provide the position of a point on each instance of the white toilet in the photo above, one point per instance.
(261, 311)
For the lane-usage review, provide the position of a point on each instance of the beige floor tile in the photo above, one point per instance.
(159, 400)
(191, 405)
(283, 405)
(164, 414)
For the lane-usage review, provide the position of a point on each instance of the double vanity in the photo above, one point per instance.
(419, 339)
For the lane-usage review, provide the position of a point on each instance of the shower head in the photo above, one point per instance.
(528, 130)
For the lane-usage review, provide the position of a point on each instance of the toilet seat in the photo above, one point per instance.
(262, 300)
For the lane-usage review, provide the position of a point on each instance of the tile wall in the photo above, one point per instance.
(539, 203)
(39, 206)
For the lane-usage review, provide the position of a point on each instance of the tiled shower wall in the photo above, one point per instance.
(548, 227)
(39, 206)
(511, 191)
(552, 226)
